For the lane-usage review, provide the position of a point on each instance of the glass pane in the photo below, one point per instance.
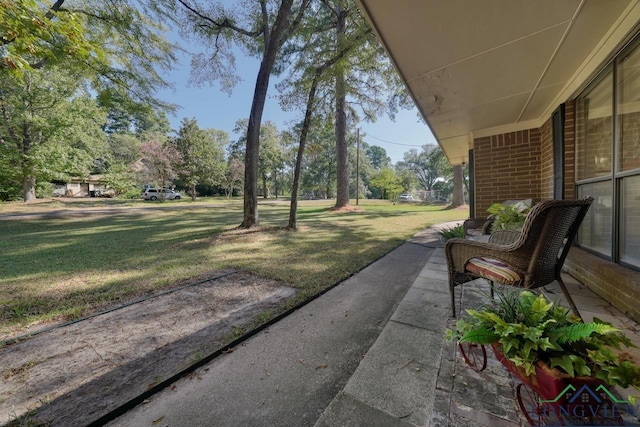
(629, 111)
(630, 221)
(594, 138)
(595, 231)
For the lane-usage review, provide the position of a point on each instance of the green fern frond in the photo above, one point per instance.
(480, 336)
(581, 331)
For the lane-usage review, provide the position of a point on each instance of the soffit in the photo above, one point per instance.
(476, 67)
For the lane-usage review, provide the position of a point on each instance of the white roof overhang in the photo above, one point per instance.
(480, 68)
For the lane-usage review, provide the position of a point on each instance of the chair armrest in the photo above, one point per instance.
(474, 223)
(486, 227)
(460, 251)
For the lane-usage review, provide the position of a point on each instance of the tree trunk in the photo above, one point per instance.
(273, 42)
(275, 182)
(342, 152)
(193, 192)
(29, 188)
(293, 220)
(458, 194)
(265, 189)
(28, 175)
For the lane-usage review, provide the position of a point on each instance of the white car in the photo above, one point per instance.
(158, 193)
(406, 197)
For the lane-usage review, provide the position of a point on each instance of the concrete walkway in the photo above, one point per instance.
(370, 352)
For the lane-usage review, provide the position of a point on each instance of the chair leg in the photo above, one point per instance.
(567, 295)
(452, 290)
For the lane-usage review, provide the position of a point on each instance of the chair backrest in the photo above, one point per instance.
(547, 235)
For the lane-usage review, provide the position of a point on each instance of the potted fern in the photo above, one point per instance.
(550, 350)
(509, 215)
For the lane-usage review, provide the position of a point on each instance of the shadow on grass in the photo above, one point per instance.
(67, 267)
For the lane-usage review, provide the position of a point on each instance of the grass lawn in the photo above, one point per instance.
(61, 268)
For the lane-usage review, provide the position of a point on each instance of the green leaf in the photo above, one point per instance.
(480, 335)
(563, 362)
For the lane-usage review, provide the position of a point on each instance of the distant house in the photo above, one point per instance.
(80, 187)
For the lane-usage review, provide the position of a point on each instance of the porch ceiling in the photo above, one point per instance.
(478, 68)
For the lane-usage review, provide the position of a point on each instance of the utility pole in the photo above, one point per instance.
(358, 166)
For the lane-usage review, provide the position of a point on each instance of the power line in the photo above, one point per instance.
(396, 143)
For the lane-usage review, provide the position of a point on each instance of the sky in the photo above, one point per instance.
(215, 109)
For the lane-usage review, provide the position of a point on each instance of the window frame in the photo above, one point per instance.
(616, 176)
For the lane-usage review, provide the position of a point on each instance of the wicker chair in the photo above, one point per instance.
(533, 260)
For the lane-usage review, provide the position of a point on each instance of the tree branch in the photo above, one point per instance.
(265, 23)
(49, 15)
(298, 18)
(225, 23)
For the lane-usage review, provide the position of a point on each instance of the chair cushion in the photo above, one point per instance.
(494, 270)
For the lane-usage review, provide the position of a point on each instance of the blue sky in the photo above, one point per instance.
(213, 108)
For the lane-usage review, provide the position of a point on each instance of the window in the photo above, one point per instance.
(595, 129)
(608, 160)
(594, 148)
(630, 221)
(629, 112)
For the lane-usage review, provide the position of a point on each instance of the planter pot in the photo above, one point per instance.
(551, 397)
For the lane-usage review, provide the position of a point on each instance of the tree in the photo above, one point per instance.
(114, 42)
(458, 195)
(262, 28)
(378, 156)
(363, 80)
(387, 181)
(319, 179)
(160, 162)
(202, 154)
(50, 134)
(318, 74)
(339, 70)
(128, 116)
(271, 155)
(107, 44)
(428, 165)
(233, 175)
(31, 34)
(120, 178)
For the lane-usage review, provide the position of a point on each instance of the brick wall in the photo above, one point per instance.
(546, 155)
(507, 167)
(614, 283)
